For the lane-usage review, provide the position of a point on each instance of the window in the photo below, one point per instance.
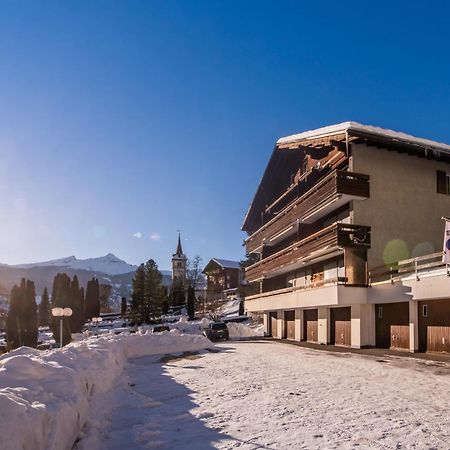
(380, 312)
(443, 182)
(424, 310)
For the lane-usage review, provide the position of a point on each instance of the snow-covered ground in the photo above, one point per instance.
(268, 395)
(47, 396)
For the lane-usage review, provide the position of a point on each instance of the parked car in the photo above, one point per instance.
(160, 328)
(217, 331)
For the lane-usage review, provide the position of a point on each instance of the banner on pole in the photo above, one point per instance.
(446, 254)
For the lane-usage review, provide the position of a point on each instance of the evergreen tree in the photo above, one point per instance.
(191, 302)
(76, 303)
(165, 303)
(92, 301)
(44, 310)
(137, 296)
(123, 307)
(61, 298)
(153, 291)
(22, 320)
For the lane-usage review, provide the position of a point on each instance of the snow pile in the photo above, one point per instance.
(193, 327)
(240, 330)
(230, 308)
(45, 396)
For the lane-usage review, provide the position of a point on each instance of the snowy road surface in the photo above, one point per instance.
(271, 395)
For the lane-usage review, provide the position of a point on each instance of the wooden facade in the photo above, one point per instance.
(221, 275)
(332, 186)
(331, 238)
(310, 325)
(289, 325)
(340, 326)
(434, 326)
(392, 325)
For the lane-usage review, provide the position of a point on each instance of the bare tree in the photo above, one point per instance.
(194, 271)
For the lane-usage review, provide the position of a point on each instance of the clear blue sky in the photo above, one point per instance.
(131, 117)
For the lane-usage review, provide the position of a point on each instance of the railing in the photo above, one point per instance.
(331, 238)
(312, 285)
(414, 266)
(335, 184)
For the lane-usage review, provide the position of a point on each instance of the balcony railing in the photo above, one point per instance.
(336, 281)
(327, 240)
(418, 267)
(321, 199)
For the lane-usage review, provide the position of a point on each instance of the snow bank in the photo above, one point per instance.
(45, 395)
(240, 330)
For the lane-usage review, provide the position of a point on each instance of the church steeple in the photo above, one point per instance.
(179, 251)
(179, 263)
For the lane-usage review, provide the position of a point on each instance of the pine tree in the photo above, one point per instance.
(22, 320)
(123, 307)
(153, 291)
(44, 310)
(61, 298)
(191, 302)
(76, 303)
(92, 301)
(137, 296)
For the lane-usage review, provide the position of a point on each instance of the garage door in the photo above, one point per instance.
(273, 324)
(434, 326)
(289, 324)
(341, 331)
(392, 325)
(310, 325)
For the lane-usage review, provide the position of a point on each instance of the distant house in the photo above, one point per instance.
(222, 277)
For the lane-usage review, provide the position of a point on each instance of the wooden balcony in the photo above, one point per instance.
(326, 242)
(329, 194)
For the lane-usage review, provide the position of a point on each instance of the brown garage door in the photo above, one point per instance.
(310, 325)
(289, 324)
(434, 326)
(273, 324)
(340, 330)
(392, 325)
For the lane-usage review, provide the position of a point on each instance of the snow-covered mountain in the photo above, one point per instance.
(109, 264)
(108, 269)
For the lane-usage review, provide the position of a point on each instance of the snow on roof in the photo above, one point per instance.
(355, 126)
(226, 263)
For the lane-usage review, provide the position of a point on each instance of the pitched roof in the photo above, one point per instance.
(224, 263)
(368, 129)
(286, 148)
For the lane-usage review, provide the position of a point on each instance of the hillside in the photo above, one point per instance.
(109, 269)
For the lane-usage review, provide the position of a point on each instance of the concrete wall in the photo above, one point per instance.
(363, 326)
(403, 203)
(332, 295)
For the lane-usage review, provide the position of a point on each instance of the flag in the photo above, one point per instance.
(446, 254)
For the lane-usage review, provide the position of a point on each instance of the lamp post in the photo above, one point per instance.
(97, 321)
(61, 313)
(204, 300)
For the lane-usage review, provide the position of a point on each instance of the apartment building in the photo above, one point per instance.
(339, 213)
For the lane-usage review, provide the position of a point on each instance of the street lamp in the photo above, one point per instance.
(97, 321)
(61, 313)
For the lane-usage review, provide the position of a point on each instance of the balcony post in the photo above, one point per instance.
(413, 326)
